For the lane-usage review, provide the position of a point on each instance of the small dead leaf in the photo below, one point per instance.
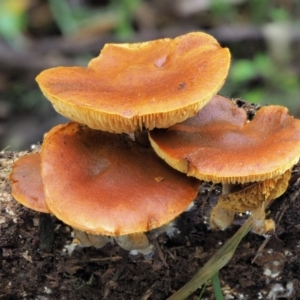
(26, 256)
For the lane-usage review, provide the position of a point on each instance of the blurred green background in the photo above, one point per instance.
(263, 37)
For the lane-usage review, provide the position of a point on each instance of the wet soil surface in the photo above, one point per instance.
(35, 265)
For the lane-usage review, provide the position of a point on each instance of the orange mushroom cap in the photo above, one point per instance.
(26, 183)
(104, 183)
(144, 85)
(220, 145)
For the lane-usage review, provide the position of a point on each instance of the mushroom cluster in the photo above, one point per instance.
(102, 184)
(93, 174)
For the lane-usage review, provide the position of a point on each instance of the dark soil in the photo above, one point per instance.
(27, 272)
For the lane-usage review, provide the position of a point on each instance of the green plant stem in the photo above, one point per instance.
(202, 290)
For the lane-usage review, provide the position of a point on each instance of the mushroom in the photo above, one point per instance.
(102, 184)
(27, 189)
(241, 198)
(26, 183)
(252, 159)
(129, 87)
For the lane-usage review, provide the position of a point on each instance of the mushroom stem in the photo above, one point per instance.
(226, 188)
(135, 243)
(259, 222)
(220, 217)
(168, 228)
(88, 240)
(141, 137)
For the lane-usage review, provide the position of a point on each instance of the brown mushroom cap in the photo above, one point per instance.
(220, 145)
(104, 183)
(26, 183)
(144, 85)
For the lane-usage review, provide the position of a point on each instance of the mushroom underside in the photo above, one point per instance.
(253, 197)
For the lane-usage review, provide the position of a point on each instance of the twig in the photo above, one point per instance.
(153, 239)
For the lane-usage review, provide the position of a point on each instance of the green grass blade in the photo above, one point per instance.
(203, 288)
(217, 262)
(217, 287)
